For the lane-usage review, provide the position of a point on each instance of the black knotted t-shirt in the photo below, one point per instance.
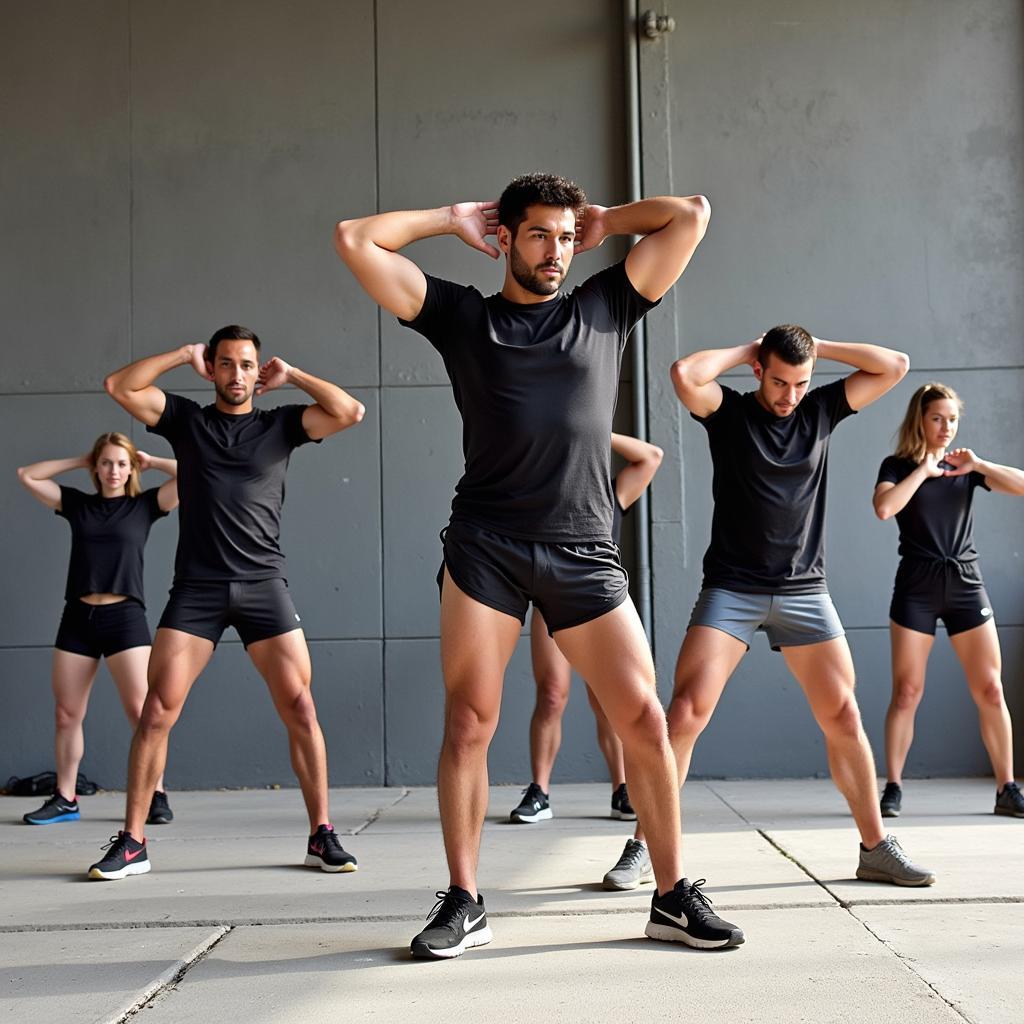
(108, 537)
(231, 473)
(768, 526)
(938, 521)
(536, 385)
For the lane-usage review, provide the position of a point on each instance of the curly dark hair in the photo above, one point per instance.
(792, 344)
(538, 189)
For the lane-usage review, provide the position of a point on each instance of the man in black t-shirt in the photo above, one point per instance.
(534, 373)
(229, 568)
(765, 566)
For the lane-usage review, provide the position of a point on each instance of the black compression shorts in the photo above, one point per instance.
(98, 631)
(928, 591)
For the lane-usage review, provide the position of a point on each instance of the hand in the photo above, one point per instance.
(591, 229)
(197, 360)
(963, 460)
(754, 355)
(473, 222)
(930, 463)
(145, 461)
(273, 374)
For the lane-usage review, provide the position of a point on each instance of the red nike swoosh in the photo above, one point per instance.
(131, 856)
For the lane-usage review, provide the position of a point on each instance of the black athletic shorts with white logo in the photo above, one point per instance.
(569, 583)
(926, 591)
(100, 630)
(258, 609)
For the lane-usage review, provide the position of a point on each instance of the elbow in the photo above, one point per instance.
(345, 239)
(680, 375)
(355, 414)
(882, 513)
(655, 455)
(901, 365)
(22, 475)
(110, 385)
(701, 210)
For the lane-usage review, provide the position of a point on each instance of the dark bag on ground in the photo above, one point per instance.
(45, 784)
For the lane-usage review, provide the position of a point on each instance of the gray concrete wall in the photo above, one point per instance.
(169, 168)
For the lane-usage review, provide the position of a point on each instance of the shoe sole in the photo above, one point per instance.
(623, 815)
(667, 933)
(113, 876)
(612, 886)
(52, 821)
(870, 875)
(162, 820)
(313, 861)
(1007, 813)
(890, 812)
(530, 819)
(480, 938)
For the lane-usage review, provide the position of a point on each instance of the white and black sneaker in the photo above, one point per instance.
(457, 923)
(685, 915)
(534, 807)
(622, 809)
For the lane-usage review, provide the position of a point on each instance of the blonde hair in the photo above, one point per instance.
(133, 485)
(910, 443)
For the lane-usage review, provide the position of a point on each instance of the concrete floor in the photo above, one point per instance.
(229, 924)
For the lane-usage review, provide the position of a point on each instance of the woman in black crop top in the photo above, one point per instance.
(104, 611)
(930, 490)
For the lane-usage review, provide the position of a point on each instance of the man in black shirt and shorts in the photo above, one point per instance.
(534, 372)
(229, 569)
(765, 567)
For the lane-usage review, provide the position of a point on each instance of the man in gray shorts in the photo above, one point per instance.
(765, 566)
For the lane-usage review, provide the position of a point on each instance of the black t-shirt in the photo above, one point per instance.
(231, 472)
(768, 526)
(108, 536)
(938, 521)
(536, 385)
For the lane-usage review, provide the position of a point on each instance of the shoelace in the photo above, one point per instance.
(113, 842)
(702, 908)
(440, 916)
(631, 855)
(331, 841)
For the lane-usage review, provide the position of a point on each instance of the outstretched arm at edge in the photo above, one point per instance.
(37, 478)
(643, 458)
(370, 246)
(694, 377)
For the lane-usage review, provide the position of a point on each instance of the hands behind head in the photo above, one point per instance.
(197, 360)
(473, 222)
(963, 461)
(591, 230)
(145, 460)
(273, 374)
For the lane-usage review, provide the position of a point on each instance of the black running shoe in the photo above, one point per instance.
(325, 851)
(55, 809)
(124, 857)
(685, 915)
(160, 812)
(621, 807)
(892, 798)
(457, 923)
(532, 808)
(1010, 801)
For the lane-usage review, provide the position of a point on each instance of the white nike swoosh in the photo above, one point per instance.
(467, 924)
(681, 921)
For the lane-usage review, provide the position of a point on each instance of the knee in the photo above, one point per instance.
(299, 713)
(907, 694)
(467, 726)
(156, 717)
(68, 717)
(844, 722)
(552, 697)
(643, 725)
(687, 717)
(988, 691)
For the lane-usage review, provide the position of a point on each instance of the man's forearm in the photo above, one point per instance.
(397, 229)
(143, 372)
(647, 216)
(704, 367)
(335, 401)
(869, 358)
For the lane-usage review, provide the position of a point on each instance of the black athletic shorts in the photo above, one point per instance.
(100, 630)
(927, 591)
(258, 610)
(569, 583)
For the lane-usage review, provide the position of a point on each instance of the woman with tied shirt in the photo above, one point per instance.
(104, 614)
(930, 491)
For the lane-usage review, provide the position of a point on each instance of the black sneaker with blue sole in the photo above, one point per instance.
(55, 810)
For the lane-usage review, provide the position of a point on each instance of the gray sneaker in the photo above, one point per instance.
(888, 862)
(632, 868)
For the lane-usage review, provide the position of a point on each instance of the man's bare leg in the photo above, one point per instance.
(174, 665)
(825, 672)
(476, 645)
(612, 654)
(284, 663)
(553, 677)
(607, 742)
